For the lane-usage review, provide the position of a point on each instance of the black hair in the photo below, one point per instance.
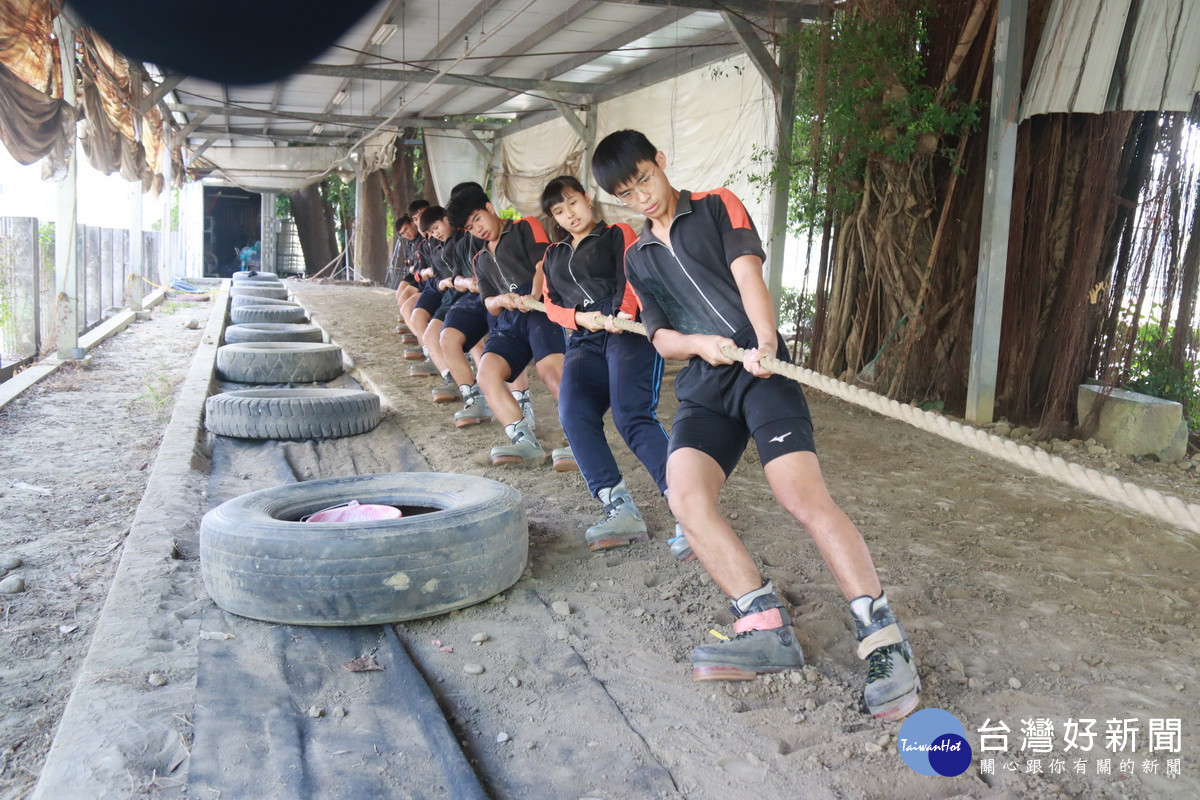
(405, 220)
(462, 205)
(458, 187)
(416, 206)
(616, 158)
(429, 216)
(555, 191)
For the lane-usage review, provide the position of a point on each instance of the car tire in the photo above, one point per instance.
(279, 362)
(272, 332)
(259, 561)
(250, 315)
(274, 290)
(291, 413)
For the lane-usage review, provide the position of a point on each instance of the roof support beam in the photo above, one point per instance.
(579, 126)
(997, 210)
(774, 9)
(169, 82)
(468, 23)
(419, 76)
(655, 23)
(579, 9)
(195, 122)
(483, 148)
(333, 119)
(762, 60)
(199, 151)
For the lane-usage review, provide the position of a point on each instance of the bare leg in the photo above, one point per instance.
(432, 342)
(549, 369)
(694, 480)
(493, 372)
(798, 485)
(452, 341)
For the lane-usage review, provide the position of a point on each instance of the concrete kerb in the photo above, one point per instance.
(15, 386)
(116, 729)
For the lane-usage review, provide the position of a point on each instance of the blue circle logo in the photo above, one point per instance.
(933, 742)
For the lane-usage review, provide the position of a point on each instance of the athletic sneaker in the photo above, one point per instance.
(764, 642)
(475, 409)
(622, 523)
(893, 686)
(524, 446)
(415, 354)
(679, 545)
(423, 369)
(526, 404)
(564, 460)
(408, 337)
(448, 392)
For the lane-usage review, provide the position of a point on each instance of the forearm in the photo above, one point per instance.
(672, 344)
(756, 299)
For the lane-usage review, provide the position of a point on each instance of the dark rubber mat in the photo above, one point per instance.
(277, 715)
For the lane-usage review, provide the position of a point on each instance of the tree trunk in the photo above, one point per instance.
(314, 226)
(373, 260)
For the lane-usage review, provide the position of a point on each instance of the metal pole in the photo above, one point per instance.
(164, 239)
(267, 228)
(785, 107)
(65, 253)
(997, 210)
(360, 202)
(137, 266)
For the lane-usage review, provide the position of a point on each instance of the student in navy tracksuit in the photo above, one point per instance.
(584, 287)
(697, 269)
(508, 270)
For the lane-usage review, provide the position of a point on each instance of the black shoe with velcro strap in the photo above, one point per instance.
(764, 642)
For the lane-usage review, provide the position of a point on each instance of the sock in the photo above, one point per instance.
(743, 603)
(446, 375)
(864, 608)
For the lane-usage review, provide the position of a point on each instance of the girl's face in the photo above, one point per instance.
(573, 213)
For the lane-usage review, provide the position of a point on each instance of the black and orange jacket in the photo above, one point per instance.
(518, 252)
(578, 278)
(688, 286)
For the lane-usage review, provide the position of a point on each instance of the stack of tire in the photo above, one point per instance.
(269, 343)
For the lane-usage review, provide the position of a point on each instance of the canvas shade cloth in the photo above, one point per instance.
(715, 124)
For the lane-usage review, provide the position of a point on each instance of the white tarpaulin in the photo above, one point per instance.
(452, 160)
(711, 123)
(1077, 68)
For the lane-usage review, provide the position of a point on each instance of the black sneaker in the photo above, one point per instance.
(765, 642)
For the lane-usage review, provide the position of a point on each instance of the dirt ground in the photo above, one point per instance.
(1024, 600)
(74, 455)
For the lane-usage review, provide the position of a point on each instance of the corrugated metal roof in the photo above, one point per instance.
(452, 62)
(1108, 55)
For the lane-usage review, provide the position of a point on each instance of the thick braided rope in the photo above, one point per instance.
(1150, 502)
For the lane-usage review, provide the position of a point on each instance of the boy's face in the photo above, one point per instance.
(647, 191)
(440, 230)
(485, 224)
(408, 231)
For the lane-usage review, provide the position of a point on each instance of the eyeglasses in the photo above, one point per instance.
(641, 186)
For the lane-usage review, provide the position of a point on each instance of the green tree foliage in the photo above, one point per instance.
(863, 97)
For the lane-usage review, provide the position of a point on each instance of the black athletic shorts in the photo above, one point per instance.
(469, 317)
(720, 408)
(520, 337)
(410, 280)
(448, 299)
(430, 299)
